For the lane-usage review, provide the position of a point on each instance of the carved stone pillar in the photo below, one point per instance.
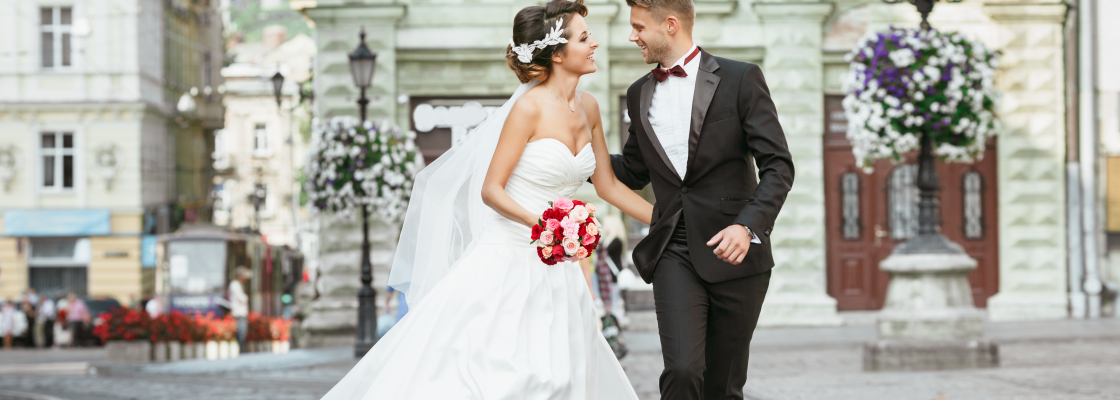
(793, 69)
(1032, 277)
(333, 316)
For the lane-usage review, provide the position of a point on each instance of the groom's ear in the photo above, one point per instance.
(672, 24)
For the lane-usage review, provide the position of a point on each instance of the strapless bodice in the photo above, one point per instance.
(546, 171)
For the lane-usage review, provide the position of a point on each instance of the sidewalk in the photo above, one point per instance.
(1052, 360)
(1067, 359)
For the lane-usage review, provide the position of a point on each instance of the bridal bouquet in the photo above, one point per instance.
(903, 83)
(566, 231)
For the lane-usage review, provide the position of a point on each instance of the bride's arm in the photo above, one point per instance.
(519, 127)
(607, 185)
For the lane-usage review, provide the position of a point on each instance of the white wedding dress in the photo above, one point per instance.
(501, 325)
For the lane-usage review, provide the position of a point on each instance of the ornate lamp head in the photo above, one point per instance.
(924, 7)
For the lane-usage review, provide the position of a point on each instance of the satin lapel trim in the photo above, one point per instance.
(706, 84)
(647, 98)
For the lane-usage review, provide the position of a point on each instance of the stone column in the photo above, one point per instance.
(600, 16)
(1032, 248)
(793, 69)
(332, 319)
(336, 35)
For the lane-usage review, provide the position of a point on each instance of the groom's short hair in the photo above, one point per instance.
(661, 9)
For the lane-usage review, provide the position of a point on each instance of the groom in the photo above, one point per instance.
(700, 126)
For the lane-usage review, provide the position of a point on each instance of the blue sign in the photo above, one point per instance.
(148, 251)
(56, 223)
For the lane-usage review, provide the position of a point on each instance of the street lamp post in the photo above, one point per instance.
(277, 84)
(929, 239)
(928, 320)
(362, 64)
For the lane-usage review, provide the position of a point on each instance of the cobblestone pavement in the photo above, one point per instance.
(1052, 361)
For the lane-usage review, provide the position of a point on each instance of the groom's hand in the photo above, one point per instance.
(734, 241)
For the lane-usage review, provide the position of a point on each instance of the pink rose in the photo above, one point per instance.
(546, 239)
(563, 204)
(581, 253)
(591, 229)
(571, 228)
(570, 246)
(588, 240)
(578, 213)
(590, 208)
(546, 251)
(552, 224)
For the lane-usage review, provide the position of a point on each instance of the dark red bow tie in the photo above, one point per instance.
(661, 74)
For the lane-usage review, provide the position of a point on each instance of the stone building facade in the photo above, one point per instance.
(107, 110)
(447, 52)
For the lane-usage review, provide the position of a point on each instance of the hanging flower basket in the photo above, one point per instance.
(352, 165)
(903, 83)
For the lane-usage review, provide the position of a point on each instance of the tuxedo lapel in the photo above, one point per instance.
(643, 115)
(706, 83)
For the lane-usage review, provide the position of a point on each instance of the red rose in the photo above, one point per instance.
(558, 249)
(536, 232)
(582, 230)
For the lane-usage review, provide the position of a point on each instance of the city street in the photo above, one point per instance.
(1040, 360)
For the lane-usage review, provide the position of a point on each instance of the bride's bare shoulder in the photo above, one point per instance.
(527, 107)
(590, 104)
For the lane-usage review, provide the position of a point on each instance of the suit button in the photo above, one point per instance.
(684, 189)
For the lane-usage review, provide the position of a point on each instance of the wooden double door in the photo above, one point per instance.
(867, 215)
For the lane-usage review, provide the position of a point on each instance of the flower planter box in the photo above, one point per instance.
(199, 350)
(175, 351)
(234, 349)
(159, 352)
(223, 350)
(129, 351)
(280, 347)
(212, 352)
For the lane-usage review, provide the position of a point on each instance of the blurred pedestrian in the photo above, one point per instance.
(153, 308)
(239, 302)
(12, 322)
(44, 323)
(77, 317)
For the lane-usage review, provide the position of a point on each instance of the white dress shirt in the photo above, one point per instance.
(670, 111)
(670, 114)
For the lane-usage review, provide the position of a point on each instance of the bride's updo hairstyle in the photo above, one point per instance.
(534, 23)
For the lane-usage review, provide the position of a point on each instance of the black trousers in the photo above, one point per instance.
(705, 328)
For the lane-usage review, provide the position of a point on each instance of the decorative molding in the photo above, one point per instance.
(747, 54)
(601, 12)
(356, 13)
(786, 12)
(1027, 12)
(715, 7)
(9, 164)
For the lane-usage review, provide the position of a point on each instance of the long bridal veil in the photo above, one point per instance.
(445, 212)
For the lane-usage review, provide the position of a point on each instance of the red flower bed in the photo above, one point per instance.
(128, 324)
(124, 324)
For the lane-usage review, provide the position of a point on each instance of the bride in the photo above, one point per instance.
(488, 319)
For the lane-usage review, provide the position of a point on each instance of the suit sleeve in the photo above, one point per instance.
(630, 167)
(767, 144)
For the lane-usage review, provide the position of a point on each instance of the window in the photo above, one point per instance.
(902, 201)
(849, 188)
(260, 140)
(57, 151)
(973, 205)
(54, 25)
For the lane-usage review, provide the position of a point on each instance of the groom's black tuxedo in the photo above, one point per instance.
(733, 121)
(707, 308)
